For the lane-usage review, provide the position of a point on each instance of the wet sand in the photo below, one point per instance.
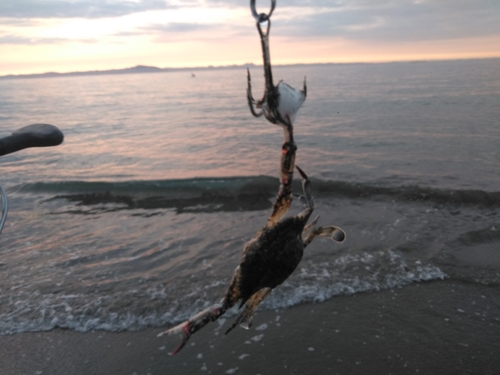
(440, 327)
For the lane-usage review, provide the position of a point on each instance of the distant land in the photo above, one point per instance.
(139, 69)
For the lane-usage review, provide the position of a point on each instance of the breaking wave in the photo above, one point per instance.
(158, 305)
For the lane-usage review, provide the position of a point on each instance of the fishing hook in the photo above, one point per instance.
(276, 108)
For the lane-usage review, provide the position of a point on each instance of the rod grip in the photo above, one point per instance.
(35, 135)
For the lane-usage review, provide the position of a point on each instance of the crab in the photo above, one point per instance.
(272, 255)
(268, 259)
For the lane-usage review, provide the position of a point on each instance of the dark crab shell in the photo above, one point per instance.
(271, 256)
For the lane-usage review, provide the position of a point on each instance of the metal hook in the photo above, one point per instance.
(251, 100)
(261, 17)
(269, 105)
(270, 90)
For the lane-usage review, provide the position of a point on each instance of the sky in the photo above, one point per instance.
(38, 36)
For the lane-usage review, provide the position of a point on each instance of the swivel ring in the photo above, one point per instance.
(262, 17)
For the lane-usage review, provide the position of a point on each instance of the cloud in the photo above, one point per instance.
(391, 20)
(387, 20)
(79, 8)
(20, 40)
(179, 27)
(360, 20)
(264, 5)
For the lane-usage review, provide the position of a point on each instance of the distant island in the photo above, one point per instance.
(139, 69)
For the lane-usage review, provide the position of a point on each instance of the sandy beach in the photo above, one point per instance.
(440, 327)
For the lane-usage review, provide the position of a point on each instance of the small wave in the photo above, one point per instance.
(351, 274)
(155, 306)
(481, 236)
(238, 193)
(180, 187)
(412, 193)
(189, 195)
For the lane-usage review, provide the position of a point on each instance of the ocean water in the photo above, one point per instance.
(139, 218)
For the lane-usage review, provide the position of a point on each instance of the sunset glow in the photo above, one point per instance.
(58, 35)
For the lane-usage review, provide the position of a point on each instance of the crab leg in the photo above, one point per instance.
(333, 232)
(284, 198)
(211, 314)
(309, 226)
(194, 324)
(245, 317)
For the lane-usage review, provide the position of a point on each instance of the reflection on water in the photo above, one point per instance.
(139, 218)
(438, 117)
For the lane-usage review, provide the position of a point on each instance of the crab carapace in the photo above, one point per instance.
(271, 256)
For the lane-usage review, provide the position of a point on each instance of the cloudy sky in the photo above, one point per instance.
(74, 35)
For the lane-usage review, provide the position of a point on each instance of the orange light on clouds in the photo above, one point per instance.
(202, 36)
(89, 44)
(340, 50)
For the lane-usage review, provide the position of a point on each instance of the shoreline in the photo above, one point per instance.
(439, 327)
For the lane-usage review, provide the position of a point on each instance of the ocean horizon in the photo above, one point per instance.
(141, 68)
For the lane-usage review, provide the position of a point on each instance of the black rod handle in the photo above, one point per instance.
(35, 135)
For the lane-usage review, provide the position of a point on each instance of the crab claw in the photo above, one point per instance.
(194, 324)
(183, 328)
(310, 225)
(306, 188)
(335, 233)
(244, 319)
